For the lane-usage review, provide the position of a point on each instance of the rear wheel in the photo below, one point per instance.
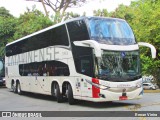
(14, 87)
(71, 100)
(56, 92)
(19, 91)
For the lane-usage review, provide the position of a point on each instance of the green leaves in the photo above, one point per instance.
(30, 22)
(146, 25)
(7, 28)
(12, 28)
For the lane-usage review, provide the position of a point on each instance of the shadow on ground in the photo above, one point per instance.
(115, 104)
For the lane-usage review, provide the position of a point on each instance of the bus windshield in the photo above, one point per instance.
(111, 31)
(119, 66)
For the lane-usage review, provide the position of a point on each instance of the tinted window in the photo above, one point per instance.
(47, 68)
(59, 36)
(83, 58)
(55, 36)
(78, 30)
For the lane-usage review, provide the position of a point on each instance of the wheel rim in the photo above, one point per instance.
(67, 93)
(12, 87)
(18, 88)
(55, 92)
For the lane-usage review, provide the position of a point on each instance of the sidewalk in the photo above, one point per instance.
(152, 91)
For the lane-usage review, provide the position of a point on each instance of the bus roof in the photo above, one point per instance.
(61, 23)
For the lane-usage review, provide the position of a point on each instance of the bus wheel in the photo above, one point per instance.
(57, 93)
(14, 87)
(71, 100)
(19, 91)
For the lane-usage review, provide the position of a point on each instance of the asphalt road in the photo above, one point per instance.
(10, 101)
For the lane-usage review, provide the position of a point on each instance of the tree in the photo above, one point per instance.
(59, 7)
(145, 21)
(70, 15)
(31, 21)
(100, 12)
(4, 12)
(7, 28)
(12, 28)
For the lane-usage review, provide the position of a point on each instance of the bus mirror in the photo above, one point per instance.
(153, 49)
(90, 43)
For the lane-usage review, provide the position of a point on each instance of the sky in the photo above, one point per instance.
(17, 7)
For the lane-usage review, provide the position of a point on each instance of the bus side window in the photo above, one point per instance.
(45, 70)
(30, 70)
(40, 71)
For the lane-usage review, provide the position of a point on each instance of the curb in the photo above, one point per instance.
(152, 91)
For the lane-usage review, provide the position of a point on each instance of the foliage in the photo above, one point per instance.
(100, 12)
(12, 28)
(7, 28)
(70, 15)
(146, 25)
(4, 12)
(31, 21)
(59, 7)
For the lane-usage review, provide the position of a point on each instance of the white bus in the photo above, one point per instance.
(87, 58)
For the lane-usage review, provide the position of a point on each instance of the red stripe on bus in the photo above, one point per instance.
(95, 90)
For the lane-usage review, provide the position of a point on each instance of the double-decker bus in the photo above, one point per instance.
(87, 58)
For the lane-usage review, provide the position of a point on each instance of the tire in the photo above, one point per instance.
(56, 93)
(71, 100)
(14, 87)
(19, 91)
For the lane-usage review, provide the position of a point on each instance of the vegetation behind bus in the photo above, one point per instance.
(12, 28)
(142, 15)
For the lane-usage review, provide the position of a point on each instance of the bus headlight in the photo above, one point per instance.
(139, 84)
(103, 87)
(98, 85)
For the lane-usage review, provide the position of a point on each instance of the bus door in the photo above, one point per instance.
(86, 68)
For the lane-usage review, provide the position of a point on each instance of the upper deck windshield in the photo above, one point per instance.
(111, 31)
(119, 66)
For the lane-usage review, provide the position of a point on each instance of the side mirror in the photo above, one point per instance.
(153, 49)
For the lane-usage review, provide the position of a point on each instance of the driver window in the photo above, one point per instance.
(86, 67)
